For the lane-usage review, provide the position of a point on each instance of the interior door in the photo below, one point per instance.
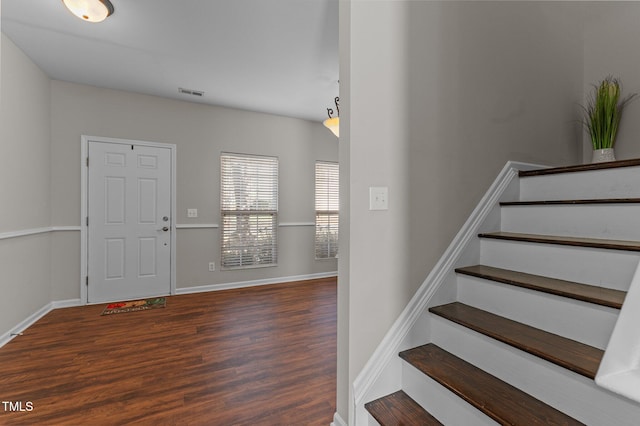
(129, 224)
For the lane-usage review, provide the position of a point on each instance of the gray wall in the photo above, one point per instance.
(612, 47)
(25, 200)
(201, 134)
(439, 95)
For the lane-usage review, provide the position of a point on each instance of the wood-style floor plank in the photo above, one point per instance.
(586, 293)
(502, 402)
(570, 354)
(256, 356)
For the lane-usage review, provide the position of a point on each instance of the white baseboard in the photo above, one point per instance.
(254, 283)
(33, 318)
(337, 420)
(26, 323)
(69, 303)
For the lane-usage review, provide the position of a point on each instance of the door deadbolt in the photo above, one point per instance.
(165, 218)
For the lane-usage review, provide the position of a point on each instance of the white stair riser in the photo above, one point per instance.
(443, 404)
(611, 183)
(585, 322)
(615, 222)
(571, 393)
(599, 267)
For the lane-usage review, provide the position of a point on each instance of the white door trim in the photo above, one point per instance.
(84, 185)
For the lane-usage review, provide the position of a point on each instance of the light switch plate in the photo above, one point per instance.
(378, 198)
(192, 212)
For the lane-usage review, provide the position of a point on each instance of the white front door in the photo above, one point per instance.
(129, 223)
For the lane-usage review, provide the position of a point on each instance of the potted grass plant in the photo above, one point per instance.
(601, 117)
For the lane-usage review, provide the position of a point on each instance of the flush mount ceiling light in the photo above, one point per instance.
(333, 123)
(90, 10)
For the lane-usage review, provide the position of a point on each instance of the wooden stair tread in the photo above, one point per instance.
(572, 202)
(499, 400)
(570, 354)
(400, 409)
(566, 241)
(580, 168)
(586, 293)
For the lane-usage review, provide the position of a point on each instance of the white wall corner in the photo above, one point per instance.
(26, 323)
(386, 354)
(619, 370)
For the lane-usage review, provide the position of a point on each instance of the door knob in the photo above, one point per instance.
(164, 228)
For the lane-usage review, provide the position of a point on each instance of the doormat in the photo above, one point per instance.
(134, 305)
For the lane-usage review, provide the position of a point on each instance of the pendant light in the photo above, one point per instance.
(333, 123)
(90, 10)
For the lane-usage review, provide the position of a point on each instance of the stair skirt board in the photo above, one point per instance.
(558, 387)
(619, 370)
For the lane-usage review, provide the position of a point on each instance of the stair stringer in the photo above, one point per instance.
(382, 374)
(619, 370)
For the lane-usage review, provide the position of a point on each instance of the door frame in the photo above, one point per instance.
(84, 207)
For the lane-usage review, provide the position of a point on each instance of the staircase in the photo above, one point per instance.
(522, 341)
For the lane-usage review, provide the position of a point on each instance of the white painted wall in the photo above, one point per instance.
(343, 387)
(611, 35)
(439, 96)
(201, 133)
(25, 200)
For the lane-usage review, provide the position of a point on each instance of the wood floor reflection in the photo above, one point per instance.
(256, 356)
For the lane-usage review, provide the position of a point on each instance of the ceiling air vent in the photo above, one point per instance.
(191, 92)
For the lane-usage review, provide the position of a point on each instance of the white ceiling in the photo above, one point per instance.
(275, 56)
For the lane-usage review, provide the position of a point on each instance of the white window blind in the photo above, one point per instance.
(249, 206)
(327, 207)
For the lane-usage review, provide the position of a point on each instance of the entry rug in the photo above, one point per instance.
(135, 305)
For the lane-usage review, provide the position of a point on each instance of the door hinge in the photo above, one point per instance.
(87, 161)
(87, 220)
(87, 281)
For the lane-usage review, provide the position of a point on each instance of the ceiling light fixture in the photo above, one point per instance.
(90, 10)
(333, 123)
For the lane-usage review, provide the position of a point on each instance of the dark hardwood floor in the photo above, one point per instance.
(256, 356)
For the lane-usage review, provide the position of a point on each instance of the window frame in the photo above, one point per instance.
(328, 215)
(255, 218)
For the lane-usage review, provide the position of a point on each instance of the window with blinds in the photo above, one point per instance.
(327, 207)
(249, 207)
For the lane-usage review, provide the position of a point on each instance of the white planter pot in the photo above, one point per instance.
(603, 155)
